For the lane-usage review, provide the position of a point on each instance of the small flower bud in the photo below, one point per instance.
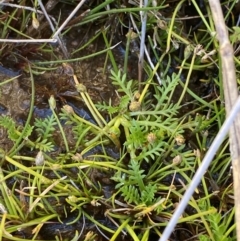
(95, 203)
(52, 102)
(77, 157)
(68, 109)
(72, 199)
(135, 106)
(151, 137)
(39, 160)
(35, 22)
(81, 88)
(180, 140)
(177, 160)
(68, 70)
(188, 51)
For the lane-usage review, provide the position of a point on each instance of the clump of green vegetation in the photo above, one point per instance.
(123, 171)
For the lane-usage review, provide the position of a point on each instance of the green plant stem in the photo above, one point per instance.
(228, 223)
(109, 53)
(110, 165)
(17, 145)
(199, 99)
(8, 80)
(144, 92)
(27, 169)
(101, 6)
(91, 17)
(132, 233)
(86, 44)
(31, 193)
(187, 80)
(125, 66)
(2, 225)
(6, 25)
(202, 16)
(10, 207)
(75, 59)
(97, 223)
(170, 30)
(145, 236)
(61, 130)
(15, 30)
(88, 101)
(120, 228)
(206, 225)
(30, 223)
(95, 110)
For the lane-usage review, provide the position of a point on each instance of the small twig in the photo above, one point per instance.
(44, 193)
(69, 18)
(62, 46)
(142, 44)
(28, 40)
(230, 94)
(146, 52)
(77, 19)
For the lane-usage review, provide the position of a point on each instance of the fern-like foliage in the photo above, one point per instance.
(136, 175)
(132, 186)
(122, 107)
(137, 137)
(150, 151)
(80, 130)
(44, 145)
(45, 127)
(130, 194)
(162, 92)
(27, 131)
(9, 124)
(148, 194)
(13, 131)
(156, 114)
(123, 85)
(219, 225)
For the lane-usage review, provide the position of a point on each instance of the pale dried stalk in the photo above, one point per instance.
(73, 13)
(230, 94)
(145, 50)
(60, 42)
(142, 44)
(28, 40)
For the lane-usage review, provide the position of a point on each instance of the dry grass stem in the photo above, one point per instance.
(28, 40)
(231, 95)
(145, 50)
(45, 192)
(62, 46)
(69, 18)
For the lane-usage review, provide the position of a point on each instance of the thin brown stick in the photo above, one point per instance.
(230, 94)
